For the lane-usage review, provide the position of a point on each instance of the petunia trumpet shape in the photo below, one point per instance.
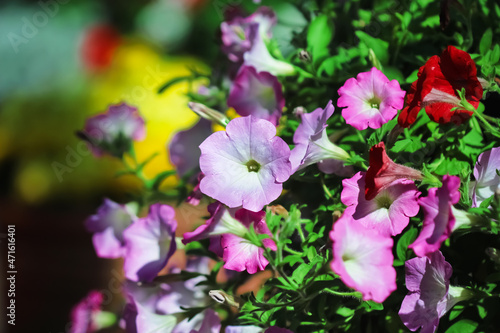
(150, 242)
(258, 94)
(113, 132)
(436, 89)
(383, 171)
(312, 144)
(370, 99)
(430, 294)
(239, 32)
(227, 230)
(108, 226)
(183, 148)
(487, 181)
(363, 259)
(245, 165)
(439, 221)
(240, 254)
(389, 212)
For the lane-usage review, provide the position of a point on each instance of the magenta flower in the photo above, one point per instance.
(439, 220)
(245, 165)
(257, 94)
(430, 294)
(227, 230)
(238, 33)
(312, 144)
(150, 242)
(183, 148)
(487, 181)
(108, 226)
(389, 212)
(113, 132)
(363, 259)
(371, 100)
(240, 254)
(195, 196)
(84, 315)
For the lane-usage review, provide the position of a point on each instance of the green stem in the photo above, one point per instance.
(486, 124)
(356, 294)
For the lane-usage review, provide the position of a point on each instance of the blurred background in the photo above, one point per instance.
(62, 61)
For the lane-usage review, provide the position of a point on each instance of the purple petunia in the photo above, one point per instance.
(183, 148)
(108, 226)
(313, 146)
(150, 242)
(258, 94)
(245, 165)
(238, 33)
(430, 294)
(113, 132)
(487, 181)
(84, 314)
(389, 212)
(371, 100)
(439, 220)
(363, 259)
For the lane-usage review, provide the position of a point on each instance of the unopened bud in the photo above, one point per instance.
(278, 210)
(221, 297)
(305, 56)
(299, 111)
(208, 113)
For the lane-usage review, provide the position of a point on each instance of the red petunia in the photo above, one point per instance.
(436, 89)
(383, 171)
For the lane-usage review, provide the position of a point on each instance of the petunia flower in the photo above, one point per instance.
(238, 32)
(257, 94)
(312, 144)
(371, 100)
(487, 181)
(260, 58)
(227, 230)
(430, 293)
(87, 316)
(107, 227)
(113, 132)
(240, 254)
(195, 196)
(383, 171)
(245, 165)
(389, 212)
(183, 148)
(363, 259)
(436, 89)
(160, 306)
(439, 221)
(150, 242)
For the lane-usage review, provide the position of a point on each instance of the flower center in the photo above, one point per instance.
(374, 102)
(253, 166)
(384, 201)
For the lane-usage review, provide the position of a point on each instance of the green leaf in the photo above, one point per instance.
(319, 35)
(161, 177)
(495, 55)
(456, 311)
(405, 240)
(300, 272)
(379, 47)
(410, 145)
(485, 43)
(172, 82)
(371, 306)
(463, 326)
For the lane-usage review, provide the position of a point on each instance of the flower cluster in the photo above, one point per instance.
(304, 205)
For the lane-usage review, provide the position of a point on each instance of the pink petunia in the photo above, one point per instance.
(363, 259)
(371, 100)
(245, 165)
(439, 220)
(389, 212)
